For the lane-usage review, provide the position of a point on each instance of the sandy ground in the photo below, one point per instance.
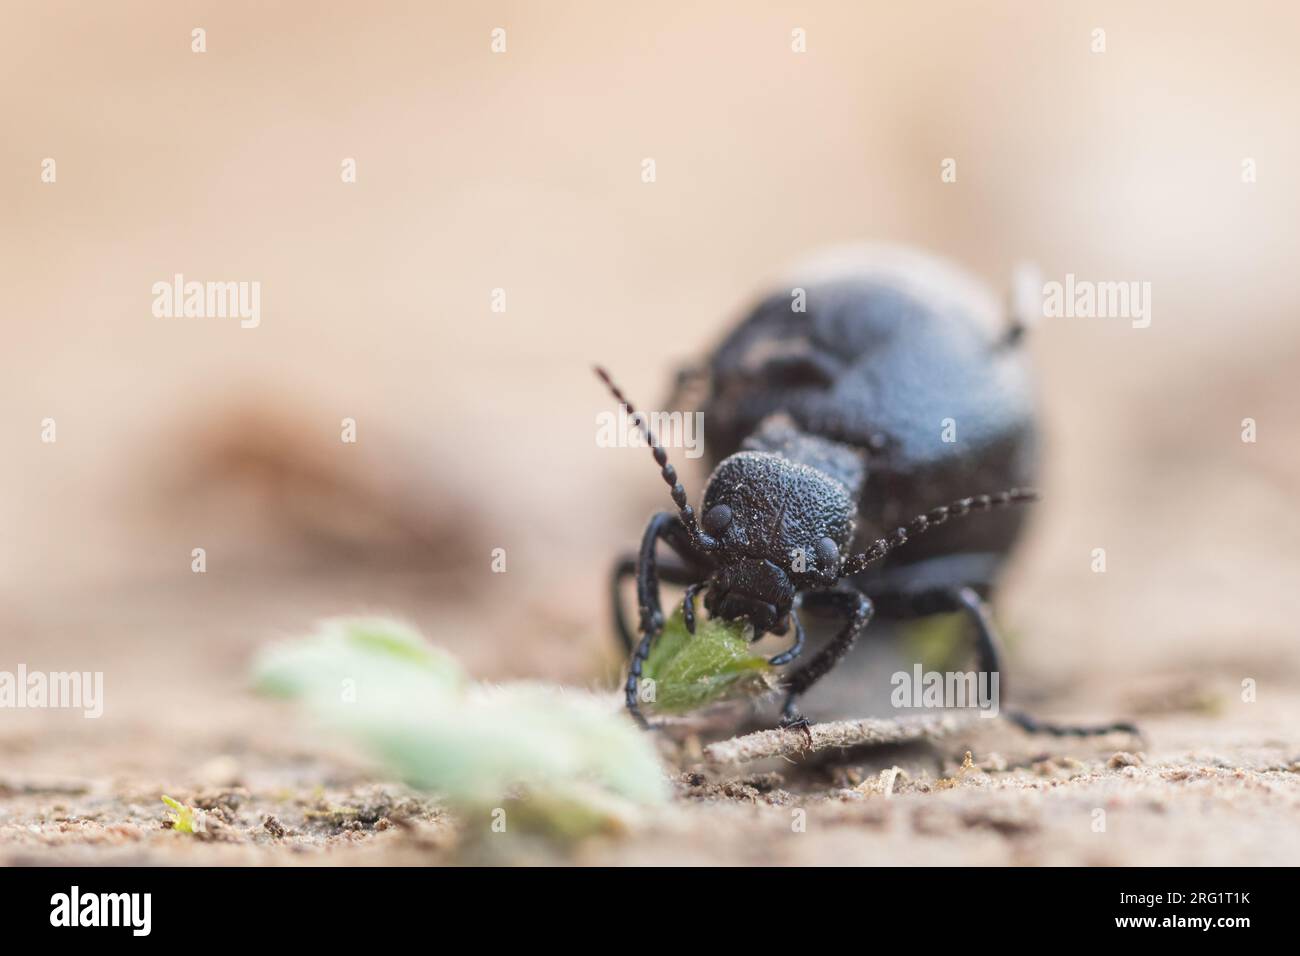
(1202, 792)
(522, 172)
(1214, 779)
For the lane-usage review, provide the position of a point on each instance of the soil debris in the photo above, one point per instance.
(842, 734)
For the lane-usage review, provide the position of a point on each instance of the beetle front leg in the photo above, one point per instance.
(856, 607)
(634, 678)
(688, 605)
(785, 657)
(626, 567)
(666, 527)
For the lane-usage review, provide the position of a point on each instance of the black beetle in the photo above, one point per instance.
(839, 412)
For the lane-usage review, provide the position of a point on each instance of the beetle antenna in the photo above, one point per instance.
(932, 519)
(666, 470)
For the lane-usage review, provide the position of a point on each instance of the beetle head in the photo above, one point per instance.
(777, 527)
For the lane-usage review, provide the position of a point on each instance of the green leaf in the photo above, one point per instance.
(575, 754)
(715, 663)
(346, 649)
(183, 817)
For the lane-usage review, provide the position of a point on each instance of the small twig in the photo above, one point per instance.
(837, 734)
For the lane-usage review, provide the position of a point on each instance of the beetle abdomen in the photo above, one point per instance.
(904, 359)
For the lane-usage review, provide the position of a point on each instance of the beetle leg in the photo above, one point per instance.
(988, 646)
(666, 527)
(671, 571)
(988, 651)
(1033, 725)
(634, 678)
(785, 657)
(856, 607)
(688, 605)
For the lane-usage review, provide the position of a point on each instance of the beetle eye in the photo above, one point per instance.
(828, 554)
(716, 519)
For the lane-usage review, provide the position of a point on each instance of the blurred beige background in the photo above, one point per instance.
(522, 171)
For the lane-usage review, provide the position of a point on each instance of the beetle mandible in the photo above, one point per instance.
(836, 428)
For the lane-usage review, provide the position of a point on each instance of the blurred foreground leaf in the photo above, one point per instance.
(578, 763)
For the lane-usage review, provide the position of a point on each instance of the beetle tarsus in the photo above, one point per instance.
(688, 606)
(785, 657)
(633, 688)
(988, 652)
(1033, 725)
